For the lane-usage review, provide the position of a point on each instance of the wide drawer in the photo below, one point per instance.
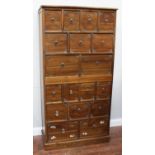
(70, 135)
(62, 127)
(96, 64)
(62, 65)
(56, 112)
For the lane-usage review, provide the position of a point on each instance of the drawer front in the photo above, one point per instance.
(53, 93)
(102, 43)
(56, 112)
(62, 127)
(79, 110)
(53, 20)
(106, 21)
(87, 91)
(100, 108)
(88, 21)
(103, 90)
(71, 20)
(71, 92)
(96, 64)
(80, 43)
(55, 43)
(94, 123)
(62, 65)
(62, 136)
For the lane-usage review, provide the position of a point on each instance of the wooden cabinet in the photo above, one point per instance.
(77, 57)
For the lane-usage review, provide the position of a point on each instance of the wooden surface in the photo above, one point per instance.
(114, 147)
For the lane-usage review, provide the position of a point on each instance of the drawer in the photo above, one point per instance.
(96, 64)
(53, 20)
(106, 21)
(71, 20)
(88, 21)
(54, 137)
(102, 43)
(55, 43)
(86, 91)
(71, 92)
(53, 93)
(56, 112)
(93, 132)
(62, 65)
(100, 108)
(62, 127)
(94, 123)
(103, 90)
(79, 110)
(80, 43)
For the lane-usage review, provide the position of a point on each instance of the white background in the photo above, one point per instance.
(116, 111)
(16, 78)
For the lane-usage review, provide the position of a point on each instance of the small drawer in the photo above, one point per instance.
(62, 136)
(56, 112)
(88, 21)
(80, 43)
(102, 43)
(53, 93)
(100, 108)
(62, 127)
(79, 110)
(103, 90)
(62, 65)
(106, 21)
(93, 132)
(96, 64)
(55, 43)
(71, 92)
(94, 123)
(53, 20)
(86, 91)
(71, 20)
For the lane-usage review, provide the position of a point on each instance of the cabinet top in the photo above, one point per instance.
(74, 7)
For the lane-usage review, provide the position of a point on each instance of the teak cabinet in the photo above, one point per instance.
(77, 57)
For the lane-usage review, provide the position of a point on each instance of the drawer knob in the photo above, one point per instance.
(106, 19)
(100, 107)
(53, 127)
(56, 42)
(94, 125)
(89, 19)
(78, 109)
(63, 130)
(71, 20)
(80, 43)
(101, 122)
(52, 19)
(103, 88)
(102, 42)
(53, 93)
(84, 133)
(97, 62)
(71, 92)
(56, 113)
(72, 136)
(53, 137)
(62, 64)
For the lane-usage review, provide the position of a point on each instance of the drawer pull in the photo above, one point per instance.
(63, 130)
(72, 136)
(56, 42)
(80, 43)
(106, 19)
(89, 19)
(52, 19)
(56, 113)
(71, 92)
(62, 64)
(53, 137)
(53, 93)
(84, 133)
(53, 127)
(71, 20)
(101, 122)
